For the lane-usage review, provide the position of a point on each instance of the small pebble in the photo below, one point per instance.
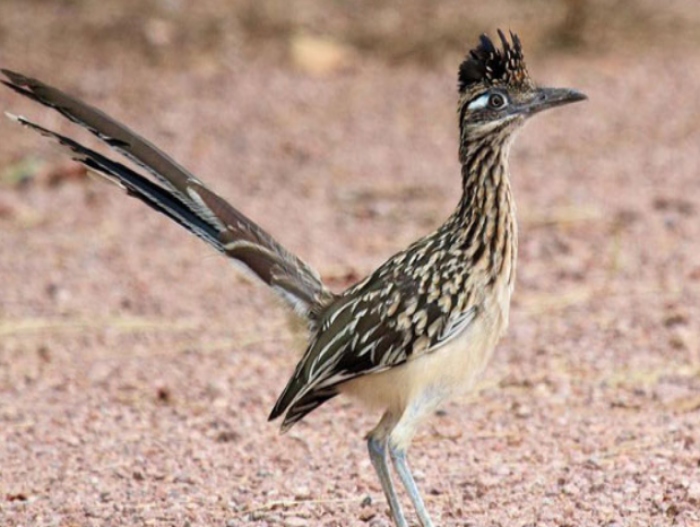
(295, 521)
(570, 489)
(694, 492)
(302, 493)
(522, 411)
(184, 478)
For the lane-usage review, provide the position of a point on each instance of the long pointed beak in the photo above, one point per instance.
(546, 98)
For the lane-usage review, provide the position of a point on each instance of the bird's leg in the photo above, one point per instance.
(398, 456)
(377, 447)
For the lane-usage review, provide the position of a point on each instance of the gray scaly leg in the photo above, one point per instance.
(398, 456)
(378, 455)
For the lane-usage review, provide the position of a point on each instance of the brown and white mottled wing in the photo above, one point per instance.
(378, 326)
(180, 196)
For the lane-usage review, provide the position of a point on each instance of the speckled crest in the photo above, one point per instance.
(486, 65)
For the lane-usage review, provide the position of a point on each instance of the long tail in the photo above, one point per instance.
(180, 196)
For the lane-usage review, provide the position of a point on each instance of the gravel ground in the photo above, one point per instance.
(137, 368)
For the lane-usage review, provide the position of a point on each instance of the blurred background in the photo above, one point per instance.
(137, 368)
(212, 34)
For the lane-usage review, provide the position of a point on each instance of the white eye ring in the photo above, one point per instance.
(485, 100)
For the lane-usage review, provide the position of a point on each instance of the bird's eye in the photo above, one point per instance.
(491, 101)
(497, 101)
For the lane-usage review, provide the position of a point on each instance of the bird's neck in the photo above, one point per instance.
(485, 179)
(485, 215)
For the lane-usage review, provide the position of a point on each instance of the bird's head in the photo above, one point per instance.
(496, 93)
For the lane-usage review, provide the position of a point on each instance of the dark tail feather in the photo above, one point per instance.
(302, 407)
(183, 197)
(116, 135)
(135, 184)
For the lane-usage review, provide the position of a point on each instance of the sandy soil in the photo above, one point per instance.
(137, 368)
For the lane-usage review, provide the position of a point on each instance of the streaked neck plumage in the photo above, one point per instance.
(486, 211)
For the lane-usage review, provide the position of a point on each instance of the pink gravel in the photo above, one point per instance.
(137, 368)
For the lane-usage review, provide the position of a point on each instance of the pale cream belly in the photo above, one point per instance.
(433, 377)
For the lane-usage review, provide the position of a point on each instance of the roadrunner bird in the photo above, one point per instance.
(419, 329)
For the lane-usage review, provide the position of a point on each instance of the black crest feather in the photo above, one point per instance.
(490, 65)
